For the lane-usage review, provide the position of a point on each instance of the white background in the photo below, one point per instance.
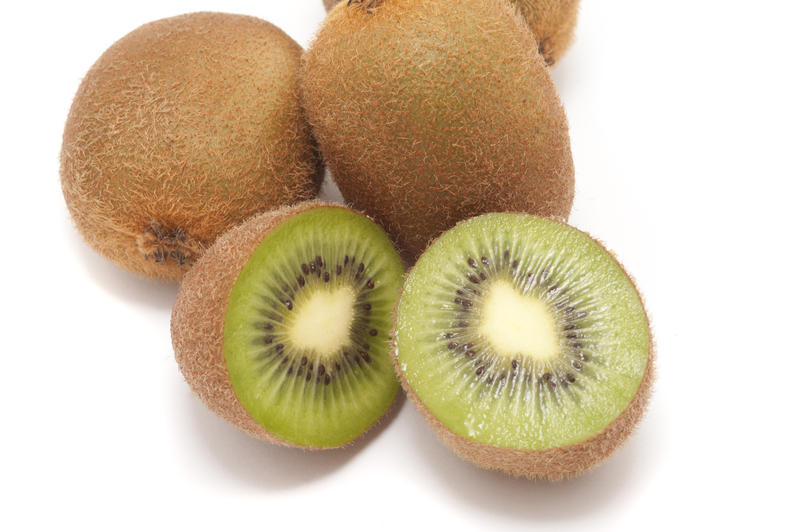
(684, 120)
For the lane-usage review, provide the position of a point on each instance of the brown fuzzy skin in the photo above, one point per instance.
(552, 22)
(550, 464)
(422, 125)
(182, 129)
(198, 317)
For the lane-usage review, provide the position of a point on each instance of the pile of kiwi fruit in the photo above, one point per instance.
(194, 151)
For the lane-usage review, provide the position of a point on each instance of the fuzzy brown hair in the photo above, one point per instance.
(429, 112)
(182, 129)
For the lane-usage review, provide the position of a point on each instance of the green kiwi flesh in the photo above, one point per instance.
(297, 367)
(517, 334)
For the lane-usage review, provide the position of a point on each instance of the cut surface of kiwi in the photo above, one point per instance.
(520, 333)
(305, 328)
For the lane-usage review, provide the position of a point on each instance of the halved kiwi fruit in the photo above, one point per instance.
(525, 345)
(182, 129)
(282, 327)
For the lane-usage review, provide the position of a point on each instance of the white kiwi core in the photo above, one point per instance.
(322, 321)
(517, 324)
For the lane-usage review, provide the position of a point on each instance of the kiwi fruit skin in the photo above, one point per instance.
(198, 318)
(182, 129)
(422, 126)
(552, 22)
(554, 464)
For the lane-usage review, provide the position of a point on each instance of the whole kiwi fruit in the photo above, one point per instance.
(431, 111)
(552, 22)
(525, 345)
(182, 129)
(282, 326)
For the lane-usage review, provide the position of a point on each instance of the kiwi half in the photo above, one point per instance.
(525, 345)
(552, 22)
(282, 327)
(423, 126)
(182, 129)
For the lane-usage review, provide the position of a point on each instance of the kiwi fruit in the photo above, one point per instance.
(552, 22)
(282, 326)
(422, 126)
(182, 129)
(525, 345)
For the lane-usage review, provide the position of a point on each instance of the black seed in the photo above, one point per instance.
(515, 264)
(483, 276)
(321, 369)
(458, 301)
(489, 379)
(479, 371)
(360, 267)
(506, 254)
(346, 259)
(471, 262)
(301, 280)
(467, 303)
(452, 345)
(467, 347)
(365, 356)
(370, 284)
(569, 310)
(304, 267)
(514, 364)
(290, 371)
(268, 340)
(485, 261)
(338, 269)
(577, 365)
(304, 361)
(580, 315)
(553, 289)
(570, 327)
(320, 262)
(530, 274)
(470, 354)
(570, 377)
(279, 348)
(572, 336)
(288, 304)
(463, 324)
(367, 306)
(337, 367)
(373, 332)
(312, 267)
(268, 326)
(547, 377)
(460, 292)
(327, 380)
(326, 277)
(448, 335)
(473, 279)
(308, 376)
(552, 384)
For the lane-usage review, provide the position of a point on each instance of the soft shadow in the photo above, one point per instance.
(329, 191)
(116, 281)
(268, 466)
(497, 493)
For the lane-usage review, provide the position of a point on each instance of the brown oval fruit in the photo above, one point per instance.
(423, 125)
(182, 129)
